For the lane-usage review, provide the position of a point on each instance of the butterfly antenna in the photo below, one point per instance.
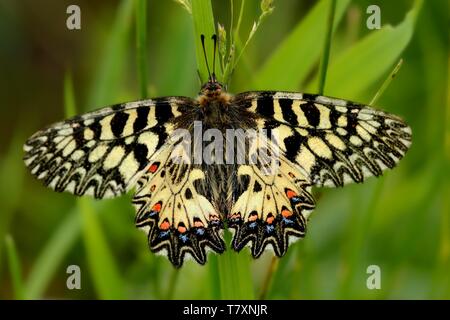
(202, 37)
(214, 37)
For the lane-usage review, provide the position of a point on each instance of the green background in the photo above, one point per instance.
(400, 222)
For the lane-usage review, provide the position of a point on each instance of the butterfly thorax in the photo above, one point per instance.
(215, 108)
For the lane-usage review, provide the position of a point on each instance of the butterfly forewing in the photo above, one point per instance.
(102, 153)
(334, 141)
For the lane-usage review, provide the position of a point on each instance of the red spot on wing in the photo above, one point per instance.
(157, 207)
(270, 218)
(286, 213)
(153, 167)
(165, 225)
(290, 194)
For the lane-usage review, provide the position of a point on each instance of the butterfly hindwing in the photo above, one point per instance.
(175, 216)
(272, 205)
(334, 141)
(102, 153)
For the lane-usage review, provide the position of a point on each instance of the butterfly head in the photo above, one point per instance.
(212, 88)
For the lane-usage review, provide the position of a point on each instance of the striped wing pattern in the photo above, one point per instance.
(272, 209)
(177, 219)
(334, 141)
(102, 153)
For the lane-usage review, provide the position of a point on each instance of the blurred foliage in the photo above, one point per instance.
(400, 222)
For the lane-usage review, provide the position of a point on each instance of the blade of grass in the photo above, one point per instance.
(369, 59)
(296, 56)
(327, 46)
(234, 272)
(141, 45)
(15, 268)
(268, 278)
(204, 24)
(386, 83)
(11, 189)
(102, 266)
(214, 276)
(65, 236)
(51, 256)
(69, 96)
(107, 78)
(105, 275)
(233, 269)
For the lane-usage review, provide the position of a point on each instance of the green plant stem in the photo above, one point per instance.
(69, 96)
(238, 25)
(268, 278)
(234, 271)
(327, 46)
(172, 284)
(54, 251)
(102, 265)
(14, 268)
(141, 46)
(386, 83)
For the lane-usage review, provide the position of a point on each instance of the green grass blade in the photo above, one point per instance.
(234, 272)
(141, 45)
(355, 70)
(327, 47)
(11, 189)
(386, 83)
(102, 267)
(204, 24)
(214, 276)
(109, 75)
(51, 256)
(69, 96)
(293, 60)
(15, 268)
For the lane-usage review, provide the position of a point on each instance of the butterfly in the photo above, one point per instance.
(184, 206)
